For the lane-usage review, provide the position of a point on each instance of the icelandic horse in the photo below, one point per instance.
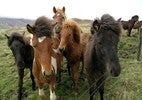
(46, 62)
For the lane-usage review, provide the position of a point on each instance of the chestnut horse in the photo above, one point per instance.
(128, 25)
(24, 54)
(101, 58)
(46, 61)
(71, 48)
(59, 17)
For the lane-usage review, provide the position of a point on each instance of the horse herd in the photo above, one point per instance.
(51, 40)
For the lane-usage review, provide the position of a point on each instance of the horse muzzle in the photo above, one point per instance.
(114, 69)
(48, 73)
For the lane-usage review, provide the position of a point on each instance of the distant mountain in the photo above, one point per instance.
(14, 22)
(19, 22)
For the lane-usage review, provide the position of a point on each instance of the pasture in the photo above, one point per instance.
(128, 86)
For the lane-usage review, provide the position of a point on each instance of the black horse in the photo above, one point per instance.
(128, 25)
(24, 55)
(101, 57)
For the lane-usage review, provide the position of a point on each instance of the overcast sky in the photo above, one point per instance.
(85, 9)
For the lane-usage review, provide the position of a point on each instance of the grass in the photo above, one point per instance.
(125, 87)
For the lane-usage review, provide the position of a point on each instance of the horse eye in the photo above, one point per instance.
(63, 17)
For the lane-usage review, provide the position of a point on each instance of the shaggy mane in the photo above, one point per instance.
(71, 24)
(108, 22)
(19, 37)
(43, 26)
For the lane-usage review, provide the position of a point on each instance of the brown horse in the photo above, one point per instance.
(58, 18)
(46, 61)
(128, 25)
(71, 48)
(101, 57)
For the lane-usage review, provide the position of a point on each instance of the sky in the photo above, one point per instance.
(84, 9)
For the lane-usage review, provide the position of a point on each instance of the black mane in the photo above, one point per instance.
(19, 37)
(108, 22)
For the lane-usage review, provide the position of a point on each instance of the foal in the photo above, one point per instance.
(46, 62)
(23, 54)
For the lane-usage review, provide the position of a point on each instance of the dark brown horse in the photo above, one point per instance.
(101, 57)
(71, 48)
(46, 62)
(128, 25)
(24, 55)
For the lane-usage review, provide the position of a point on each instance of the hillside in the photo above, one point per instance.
(13, 22)
(17, 22)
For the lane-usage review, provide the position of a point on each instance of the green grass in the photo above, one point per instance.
(128, 86)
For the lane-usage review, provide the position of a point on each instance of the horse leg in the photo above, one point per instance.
(129, 32)
(52, 88)
(82, 69)
(40, 85)
(69, 66)
(32, 78)
(74, 73)
(59, 65)
(20, 82)
(100, 87)
(91, 81)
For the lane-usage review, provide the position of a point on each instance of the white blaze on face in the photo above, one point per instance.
(41, 92)
(52, 95)
(58, 14)
(40, 39)
(54, 64)
(31, 37)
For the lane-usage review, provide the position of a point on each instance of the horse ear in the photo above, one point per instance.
(30, 29)
(63, 9)
(96, 25)
(54, 9)
(7, 36)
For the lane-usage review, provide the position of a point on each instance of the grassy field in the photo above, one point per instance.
(128, 86)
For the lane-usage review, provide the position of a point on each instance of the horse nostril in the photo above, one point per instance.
(114, 73)
(44, 73)
(47, 73)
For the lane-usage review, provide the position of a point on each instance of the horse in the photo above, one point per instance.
(128, 25)
(59, 17)
(46, 62)
(137, 25)
(24, 55)
(71, 48)
(101, 58)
